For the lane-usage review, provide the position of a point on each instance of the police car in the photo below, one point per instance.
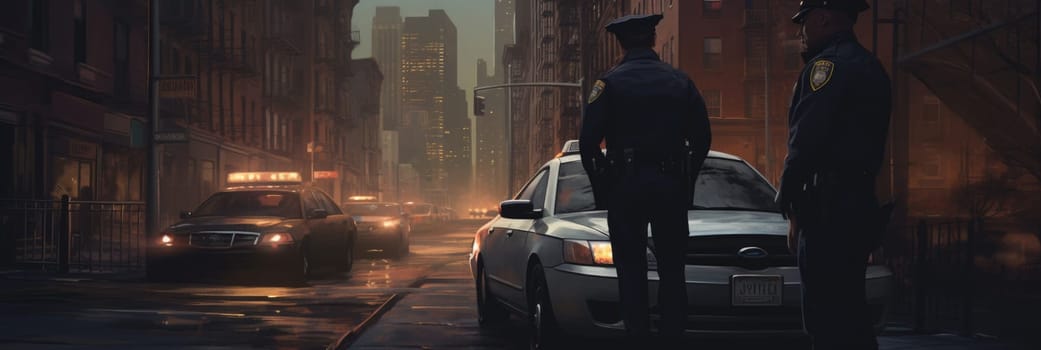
(264, 222)
(547, 257)
(381, 225)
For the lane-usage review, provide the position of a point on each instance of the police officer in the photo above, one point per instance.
(656, 129)
(837, 125)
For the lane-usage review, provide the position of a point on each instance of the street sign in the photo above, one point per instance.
(326, 175)
(171, 137)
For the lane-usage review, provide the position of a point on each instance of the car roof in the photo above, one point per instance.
(567, 158)
(276, 188)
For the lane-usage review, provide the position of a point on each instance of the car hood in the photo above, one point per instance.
(252, 223)
(702, 222)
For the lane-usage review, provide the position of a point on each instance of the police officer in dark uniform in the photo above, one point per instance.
(837, 125)
(656, 128)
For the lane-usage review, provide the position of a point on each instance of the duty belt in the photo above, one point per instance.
(630, 160)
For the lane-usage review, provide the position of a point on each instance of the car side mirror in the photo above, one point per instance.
(186, 214)
(519, 209)
(318, 214)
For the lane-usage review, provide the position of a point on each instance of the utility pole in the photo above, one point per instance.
(152, 172)
(509, 130)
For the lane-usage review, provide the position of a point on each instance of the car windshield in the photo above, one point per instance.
(371, 209)
(722, 185)
(419, 209)
(251, 203)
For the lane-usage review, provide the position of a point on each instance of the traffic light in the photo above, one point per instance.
(478, 105)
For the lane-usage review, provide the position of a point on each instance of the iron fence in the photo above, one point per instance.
(73, 236)
(945, 283)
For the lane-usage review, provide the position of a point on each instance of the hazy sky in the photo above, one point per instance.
(474, 20)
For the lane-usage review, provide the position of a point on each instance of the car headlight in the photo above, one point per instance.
(588, 252)
(166, 239)
(391, 223)
(277, 238)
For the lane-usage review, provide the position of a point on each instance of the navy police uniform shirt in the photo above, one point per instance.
(838, 117)
(645, 105)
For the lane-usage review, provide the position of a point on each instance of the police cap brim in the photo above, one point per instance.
(634, 24)
(801, 15)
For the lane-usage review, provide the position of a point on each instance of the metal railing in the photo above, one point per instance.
(73, 236)
(945, 283)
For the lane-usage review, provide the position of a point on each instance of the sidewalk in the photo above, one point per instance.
(441, 313)
(39, 275)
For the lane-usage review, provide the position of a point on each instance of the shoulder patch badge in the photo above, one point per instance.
(597, 89)
(821, 74)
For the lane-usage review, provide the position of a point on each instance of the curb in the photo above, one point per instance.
(348, 338)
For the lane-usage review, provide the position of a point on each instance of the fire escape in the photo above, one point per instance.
(185, 22)
(982, 59)
(284, 43)
(547, 110)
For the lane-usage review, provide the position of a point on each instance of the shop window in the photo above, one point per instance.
(72, 177)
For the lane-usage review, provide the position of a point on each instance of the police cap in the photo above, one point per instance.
(851, 7)
(634, 25)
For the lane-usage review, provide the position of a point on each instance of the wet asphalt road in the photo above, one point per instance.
(50, 312)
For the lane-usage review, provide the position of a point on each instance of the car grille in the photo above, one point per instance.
(723, 250)
(222, 239)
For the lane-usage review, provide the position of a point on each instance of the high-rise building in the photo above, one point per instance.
(436, 130)
(504, 32)
(386, 49)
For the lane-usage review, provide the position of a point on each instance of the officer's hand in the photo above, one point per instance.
(793, 235)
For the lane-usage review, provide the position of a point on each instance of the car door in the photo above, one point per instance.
(510, 236)
(319, 237)
(338, 223)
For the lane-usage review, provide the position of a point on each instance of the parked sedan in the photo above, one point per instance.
(267, 223)
(547, 257)
(381, 225)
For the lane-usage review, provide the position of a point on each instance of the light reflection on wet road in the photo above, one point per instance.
(94, 314)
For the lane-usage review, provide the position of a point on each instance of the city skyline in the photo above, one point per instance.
(473, 18)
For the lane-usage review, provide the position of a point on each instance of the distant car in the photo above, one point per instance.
(491, 212)
(421, 213)
(381, 225)
(548, 258)
(264, 221)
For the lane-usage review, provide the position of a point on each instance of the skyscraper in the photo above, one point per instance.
(504, 33)
(386, 49)
(433, 137)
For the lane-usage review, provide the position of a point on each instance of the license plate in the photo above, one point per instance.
(756, 290)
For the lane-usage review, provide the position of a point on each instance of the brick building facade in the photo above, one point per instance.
(250, 85)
